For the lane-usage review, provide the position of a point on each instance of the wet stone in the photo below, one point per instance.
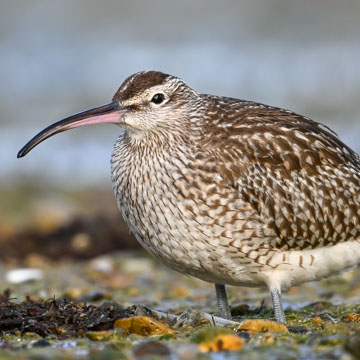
(244, 334)
(41, 343)
(143, 325)
(352, 344)
(260, 326)
(222, 342)
(151, 348)
(298, 329)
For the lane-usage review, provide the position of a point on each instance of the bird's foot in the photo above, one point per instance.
(195, 317)
(191, 317)
(139, 310)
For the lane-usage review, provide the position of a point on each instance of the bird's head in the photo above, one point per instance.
(146, 101)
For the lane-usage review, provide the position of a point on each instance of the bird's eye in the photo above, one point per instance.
(158, 98)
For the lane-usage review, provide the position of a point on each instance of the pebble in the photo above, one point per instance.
(222, 342)
(21, 275)
(143, 325)
(254, 326)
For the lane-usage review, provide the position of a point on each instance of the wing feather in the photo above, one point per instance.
(302, 180)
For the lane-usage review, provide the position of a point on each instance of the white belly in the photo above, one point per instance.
(311, 265)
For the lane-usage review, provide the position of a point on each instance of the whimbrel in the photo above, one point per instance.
(226, 190)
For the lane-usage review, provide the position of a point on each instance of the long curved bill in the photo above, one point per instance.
(109, 113)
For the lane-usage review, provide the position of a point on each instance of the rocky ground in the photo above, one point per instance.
(85, 309)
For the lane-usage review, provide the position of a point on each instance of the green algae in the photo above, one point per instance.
(208, 333)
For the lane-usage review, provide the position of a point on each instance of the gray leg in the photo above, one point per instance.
(277, 304)
(222, 301)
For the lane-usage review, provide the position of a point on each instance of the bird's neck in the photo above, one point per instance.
(152, 147)
(160, 140)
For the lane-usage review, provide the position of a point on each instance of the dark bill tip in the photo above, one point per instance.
(109, 113)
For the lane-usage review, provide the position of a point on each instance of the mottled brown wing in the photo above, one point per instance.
(302, 180)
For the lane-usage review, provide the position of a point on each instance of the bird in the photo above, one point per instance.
(230, 191)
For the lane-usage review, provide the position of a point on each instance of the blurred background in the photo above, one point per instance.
(62, 57)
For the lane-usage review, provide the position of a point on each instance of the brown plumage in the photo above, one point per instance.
(300, 178)
(230, 191)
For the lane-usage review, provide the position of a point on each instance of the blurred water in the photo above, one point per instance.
(58, 58)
